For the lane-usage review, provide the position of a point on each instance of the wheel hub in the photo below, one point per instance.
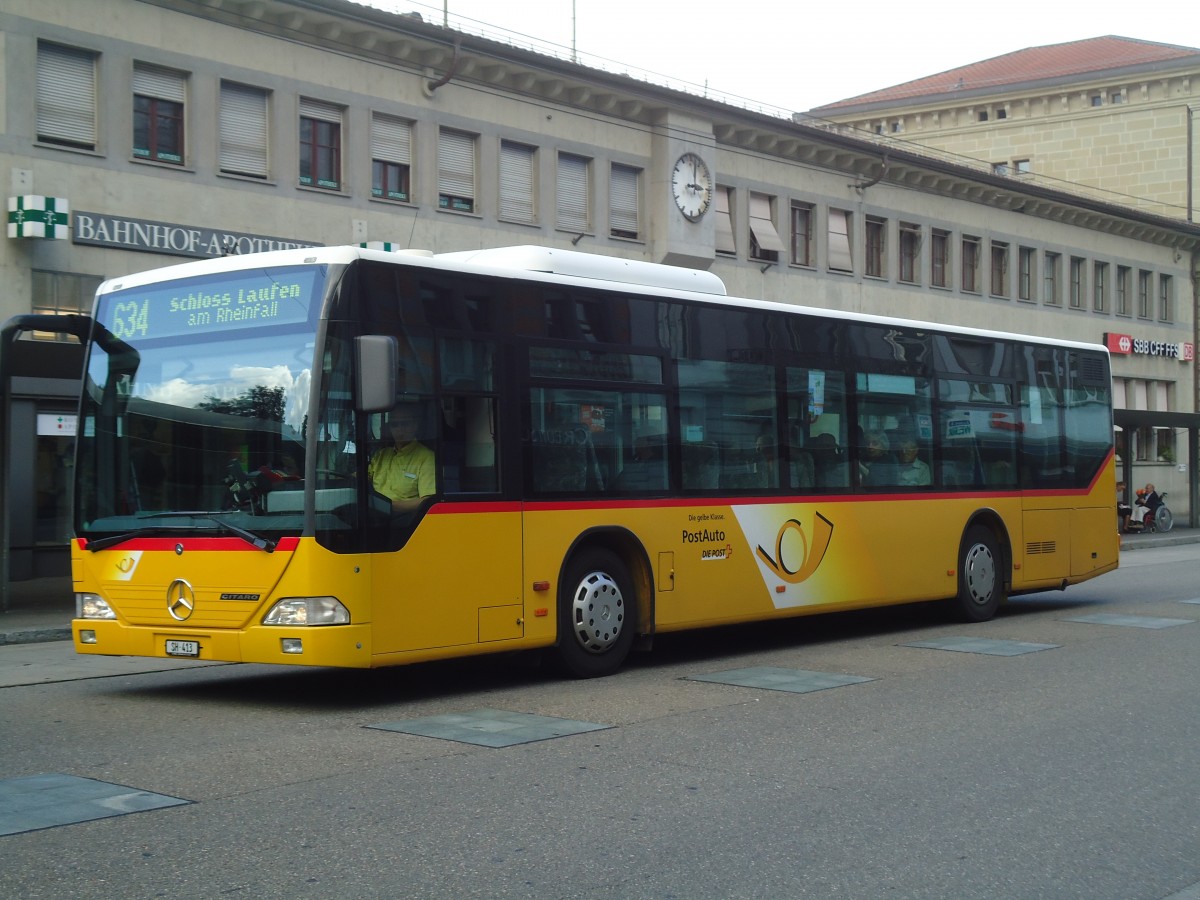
(597, 612)
(980, 574)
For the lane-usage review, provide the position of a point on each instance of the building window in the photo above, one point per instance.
(1076, 283)
(1164, 445)
(1097, 100)
(61, 293)
(802, 235)
(1051, 279)
(910, 251)
(518, 167)
(624, 220)
(999, 269)
(939, 258)
(574, 193)
(391, 157)
(765, 244)
(66, 96)
(841, 255)
(320, 144)
(1124, 284)
(1025, 274)
(1166, 299)
(970, 264)
(158, 97)
(876, 251)
(243, 131)
(1100, 287)
(1021, 166)
(1000, 168)
(725, 241)
(456, 171)
(1144, 279)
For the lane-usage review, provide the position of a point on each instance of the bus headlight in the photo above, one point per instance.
(308, 611)
(92, 606)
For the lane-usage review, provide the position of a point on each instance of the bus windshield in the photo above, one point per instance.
(194, 408)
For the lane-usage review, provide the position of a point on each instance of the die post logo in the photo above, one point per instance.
(796, 556)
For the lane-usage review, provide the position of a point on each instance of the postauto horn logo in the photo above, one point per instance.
(795, 558)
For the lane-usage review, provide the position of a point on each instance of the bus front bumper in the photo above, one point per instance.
(327, 645)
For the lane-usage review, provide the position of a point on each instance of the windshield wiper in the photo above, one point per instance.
(113, 539)
(258, 541)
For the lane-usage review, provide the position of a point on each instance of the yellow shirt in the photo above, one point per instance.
(403, 473)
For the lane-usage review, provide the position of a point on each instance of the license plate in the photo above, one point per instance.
(183, 648)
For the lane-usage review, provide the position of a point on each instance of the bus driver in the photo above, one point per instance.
(405, 472)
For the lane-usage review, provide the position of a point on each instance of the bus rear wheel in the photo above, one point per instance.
(596, 614)
(980, 576)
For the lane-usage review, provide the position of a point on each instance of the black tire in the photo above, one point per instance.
(597, 614)
(981, 576)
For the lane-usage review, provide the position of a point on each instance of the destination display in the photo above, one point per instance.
(233, 300)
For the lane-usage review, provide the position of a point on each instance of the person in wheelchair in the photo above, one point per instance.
(1145, 506)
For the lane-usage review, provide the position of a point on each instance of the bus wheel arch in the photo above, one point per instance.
(602, 589)
(984, 568)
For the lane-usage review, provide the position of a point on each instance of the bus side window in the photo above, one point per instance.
(468, 422)
(469, 462)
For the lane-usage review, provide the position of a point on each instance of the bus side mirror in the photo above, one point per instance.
(375, 358)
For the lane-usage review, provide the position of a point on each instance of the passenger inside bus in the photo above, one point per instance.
(404, 472)
(876, 465)
(911, 469)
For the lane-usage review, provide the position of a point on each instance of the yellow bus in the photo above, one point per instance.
(350, 457)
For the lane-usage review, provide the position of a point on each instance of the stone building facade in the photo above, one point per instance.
(141, 133)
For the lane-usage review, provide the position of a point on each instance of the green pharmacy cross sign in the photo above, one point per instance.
(38, 217)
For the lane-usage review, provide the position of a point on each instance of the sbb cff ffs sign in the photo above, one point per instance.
(1127, 343)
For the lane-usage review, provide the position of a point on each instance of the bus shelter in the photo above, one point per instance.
(1132, 419)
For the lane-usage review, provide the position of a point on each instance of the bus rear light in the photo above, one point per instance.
(92, 606)
(307, 611)
(291, 645)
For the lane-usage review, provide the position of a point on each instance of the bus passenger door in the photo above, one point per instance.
(457, 580)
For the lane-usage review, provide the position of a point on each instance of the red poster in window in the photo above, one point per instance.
(592, 417)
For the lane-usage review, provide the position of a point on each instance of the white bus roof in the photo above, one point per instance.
(549, 264)
(574, 264)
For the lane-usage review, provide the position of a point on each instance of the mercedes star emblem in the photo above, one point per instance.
(181, 600)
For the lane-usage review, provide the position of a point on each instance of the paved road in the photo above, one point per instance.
(1064, 771)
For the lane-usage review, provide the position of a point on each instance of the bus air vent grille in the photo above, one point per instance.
(1034, 548)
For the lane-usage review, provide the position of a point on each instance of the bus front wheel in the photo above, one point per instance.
(980, 576)
(596, 614)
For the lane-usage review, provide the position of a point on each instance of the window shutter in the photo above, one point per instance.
(152, 81)
(391, 139)
(243, 130)
(724, 222)
(456, 165)
(516, 182)
(840, 257)
(66, 98)
(572, 197)
(761, 225)
(319, 109)
(623, 201)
